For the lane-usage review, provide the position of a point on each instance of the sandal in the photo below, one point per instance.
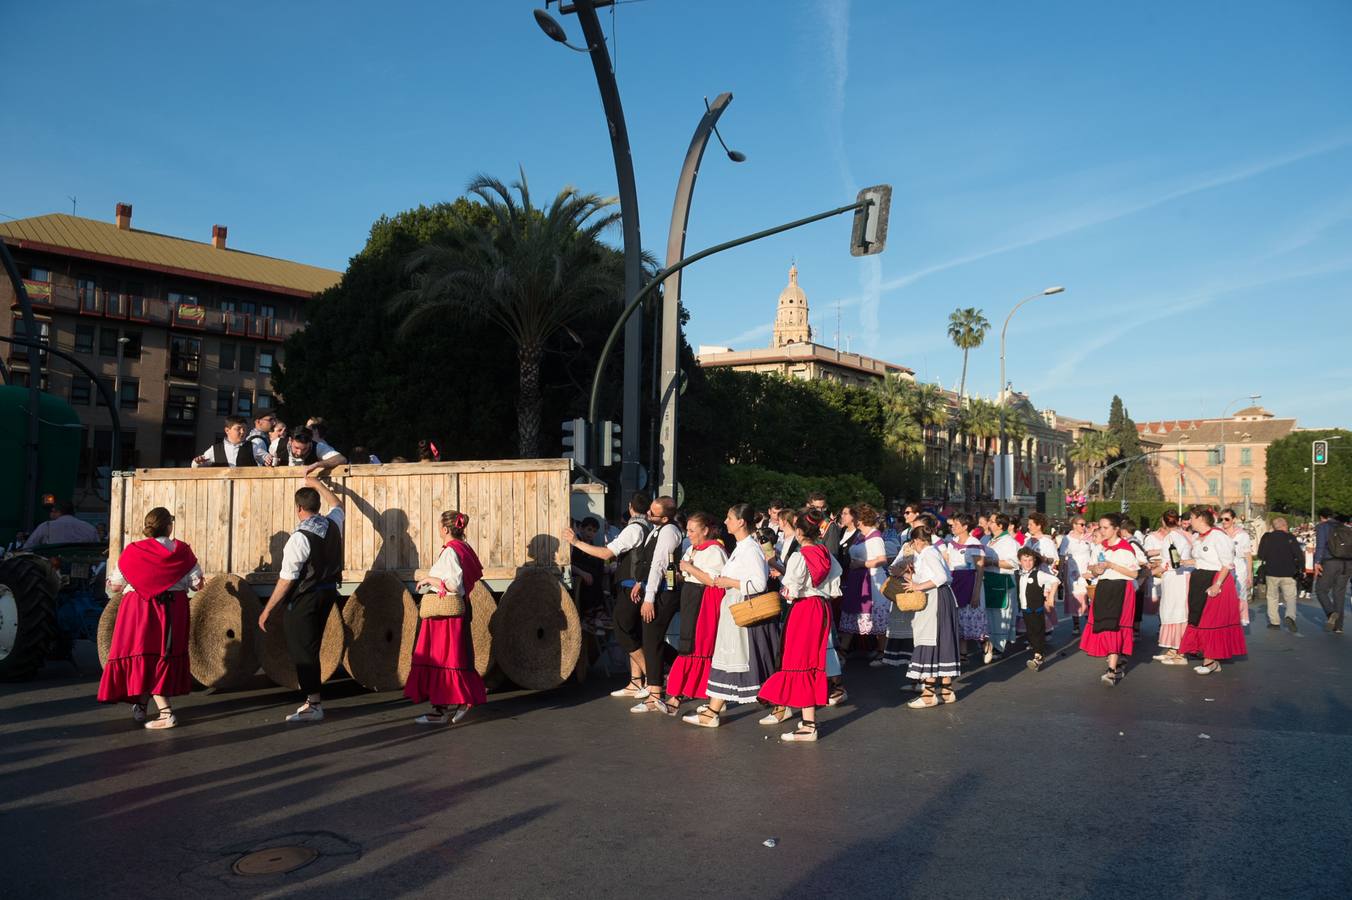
(1210, 668)
(634, 689)
(987, 652)
(948, 695)
(1111, 677)
(138, 712)
(460, 713)
(875, 660)
(166, 719)
(836, 697)
(776, 716)
(438, 716)
(705, 718)
(807, 731)
(653, 703)
(926, 699)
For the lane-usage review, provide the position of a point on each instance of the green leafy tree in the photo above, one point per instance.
(530, 271)
(1288, 475)
(979, 422)
(967, 330)
(1133, 481)
(1094, 449)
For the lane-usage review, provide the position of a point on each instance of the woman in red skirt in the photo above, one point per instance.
(1213, 630)
(811, 577)
(149, 653)
(700, 605)
(1112, 611)
(443, 670)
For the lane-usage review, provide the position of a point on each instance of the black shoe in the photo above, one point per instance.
(1271, 626)
(1291, 623)
(1328, 624)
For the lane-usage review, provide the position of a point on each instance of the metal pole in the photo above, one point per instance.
(1004, 441)
(669, 391)
(31, 458)
(633, 247)
(592, 404)
(99, 384)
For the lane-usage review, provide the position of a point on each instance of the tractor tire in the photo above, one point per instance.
(30, 604)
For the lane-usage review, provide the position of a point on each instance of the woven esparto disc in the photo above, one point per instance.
(381, 622)
(106, 623)
(222, 632)
(536, 633)
(276, 660)
(482, 607)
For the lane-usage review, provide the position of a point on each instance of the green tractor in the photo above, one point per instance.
(48, 598)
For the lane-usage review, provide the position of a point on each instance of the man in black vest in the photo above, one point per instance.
(302, 448)
(655, 595)
(312, 567)
(233, 450)
(626, 615)
(260, 438)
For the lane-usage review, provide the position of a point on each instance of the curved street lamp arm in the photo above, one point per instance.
(108, 398)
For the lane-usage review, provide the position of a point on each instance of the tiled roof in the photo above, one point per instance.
(105, 242)
(1210, 431)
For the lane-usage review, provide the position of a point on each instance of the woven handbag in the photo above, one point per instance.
(910, 601)
(441, 606)
(757, 609)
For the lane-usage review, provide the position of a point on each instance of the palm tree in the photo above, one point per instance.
(967, 330)
(981, 422)
(531, 271)
(1093, 449)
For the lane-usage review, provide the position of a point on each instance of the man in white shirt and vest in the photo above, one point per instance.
(233, 451)
(312, 568)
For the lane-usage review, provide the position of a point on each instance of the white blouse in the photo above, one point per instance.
(1006, 549)
(447, 568)
(710, 560)
(1213, 551)
(930, 566)
(1078, 555)
(1124, 557)
(190, 582)
(748, 567)
(965, 554)
(797, 581)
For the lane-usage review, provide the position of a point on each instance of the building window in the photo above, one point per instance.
(1212, 487)
(246, 307)
(265, 360)
(84, 338)
(1213, 457)
(88, 293)
(185, 357)
(228, 305)
(227, 357)
(263, 402)
(1246, 487)
(132, 349)
(112, 299)
(80, 388)
(245, 404)
(19, 352)
(107, 383)
(134, 300)
(225, 401)
(130, 393)
(181, 405)
(1246, 456)
(103, 446)
(39, 274)
(246, 359)
(267, 312)
(107, 342)
(179, 298)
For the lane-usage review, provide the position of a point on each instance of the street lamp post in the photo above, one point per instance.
(628, 193)
(1006, 490)
(1225, 417)
(669, 390)
(1313, 467)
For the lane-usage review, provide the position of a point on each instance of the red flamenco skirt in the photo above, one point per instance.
(689, 676)
(149, 651)
(1218, 635)
(443, 670)
(801, 679)
(1120, 641)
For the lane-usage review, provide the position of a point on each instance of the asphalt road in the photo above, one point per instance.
(1031, 784)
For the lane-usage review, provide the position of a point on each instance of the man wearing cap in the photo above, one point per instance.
(62, 528)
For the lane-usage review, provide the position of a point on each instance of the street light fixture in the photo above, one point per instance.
(736, 156)
(554, 31)
(1006, 490)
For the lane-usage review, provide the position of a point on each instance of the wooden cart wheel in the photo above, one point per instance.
(381, 622)
(223, 632)
(106, 623)
(276, 660)
(537, 634)
(482, 609)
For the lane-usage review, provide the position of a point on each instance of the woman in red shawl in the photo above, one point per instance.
(811, 576)
(149, 653)
(443, 669)
(700, 605)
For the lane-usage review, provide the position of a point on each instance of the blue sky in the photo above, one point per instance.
(1182, 168)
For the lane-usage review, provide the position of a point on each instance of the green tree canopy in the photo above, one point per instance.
(1288, 475)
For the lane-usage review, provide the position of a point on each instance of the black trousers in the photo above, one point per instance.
(1035, 626)
(305, 618)
(628, 622)
(692, 598)
(656, 651)
(1331, 588)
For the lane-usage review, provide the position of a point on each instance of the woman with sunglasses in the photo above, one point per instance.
(1077, 553)
(1234, 530)
(1112, 610)
(1213, 630)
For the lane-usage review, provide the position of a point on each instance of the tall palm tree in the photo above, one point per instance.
(531, 271)
(1092, 450)
(981, 423)
(967, 330)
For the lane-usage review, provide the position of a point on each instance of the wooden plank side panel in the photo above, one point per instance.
(117, 527)
(559, 510)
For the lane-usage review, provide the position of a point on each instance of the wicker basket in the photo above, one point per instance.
(440, 606)
(757, 609)
(910, 601)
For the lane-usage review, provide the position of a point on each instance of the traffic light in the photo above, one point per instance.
(869, 234)
(1319, 453)
(1125, 506)
(575, 441)
(609, 448)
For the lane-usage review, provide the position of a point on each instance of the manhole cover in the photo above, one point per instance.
(274, 860)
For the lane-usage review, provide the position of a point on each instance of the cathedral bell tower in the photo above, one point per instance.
(791, 323)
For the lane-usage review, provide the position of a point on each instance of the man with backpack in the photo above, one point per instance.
(1332, 566)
